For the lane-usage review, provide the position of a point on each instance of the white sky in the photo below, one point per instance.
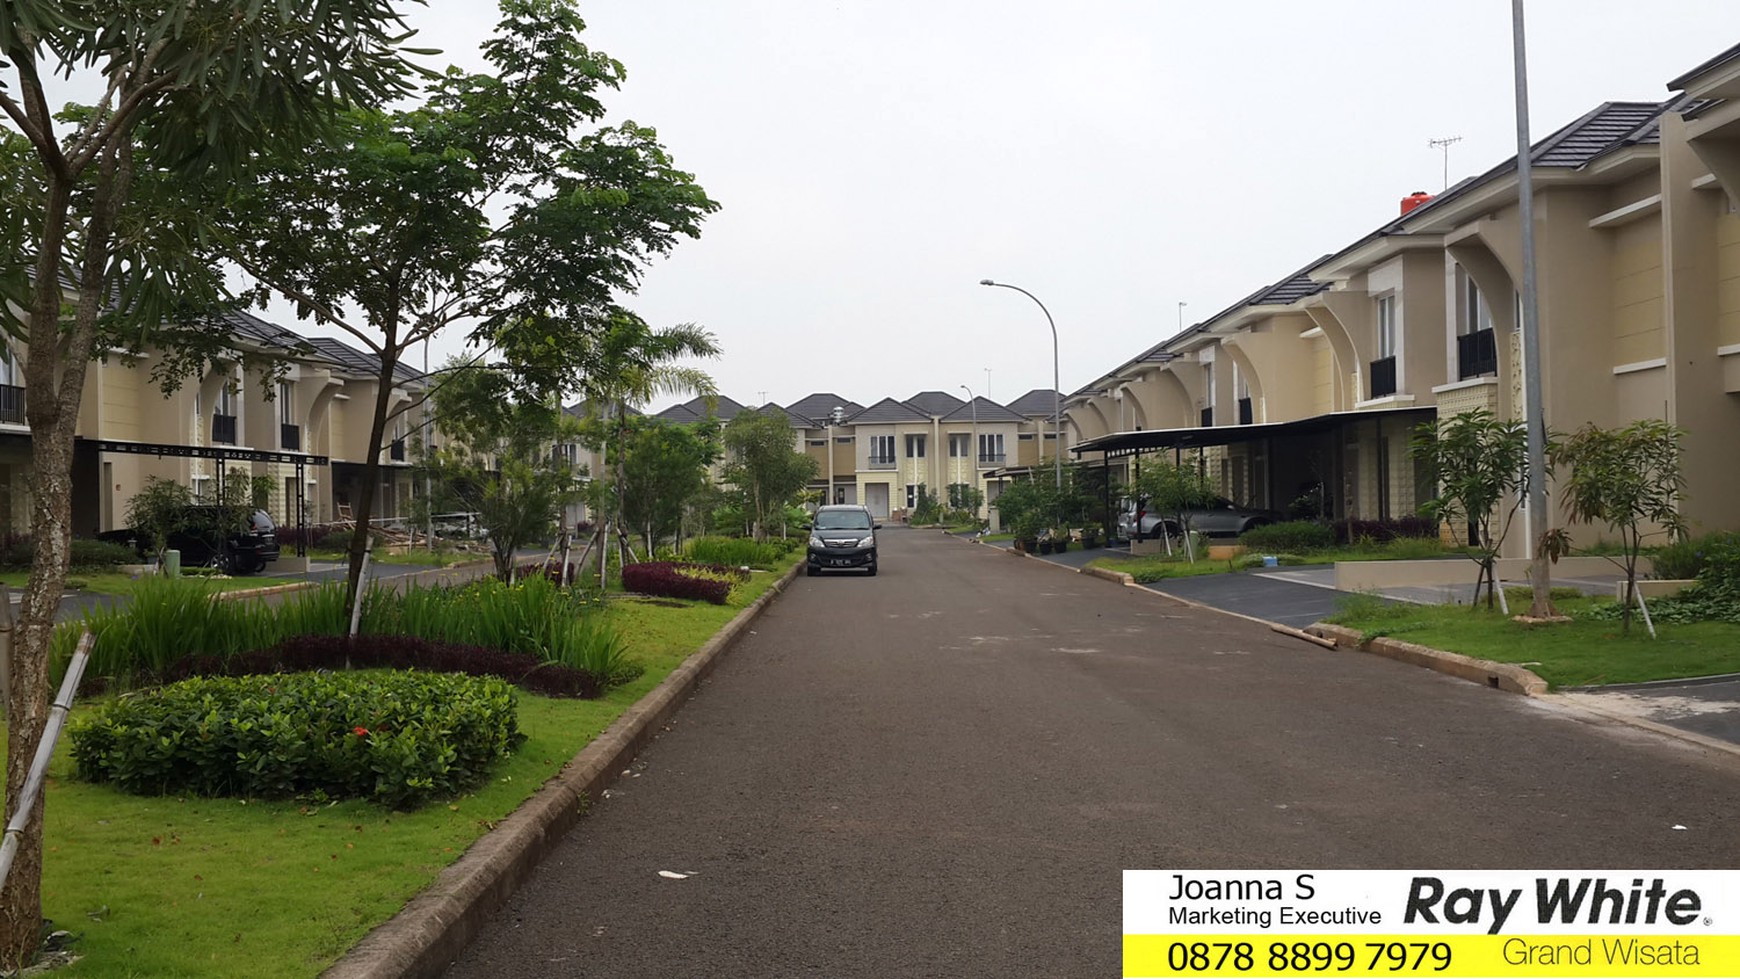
(875, 160)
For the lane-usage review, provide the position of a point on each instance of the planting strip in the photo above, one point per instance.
(430, 932)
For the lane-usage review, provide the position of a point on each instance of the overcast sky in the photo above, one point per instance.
(875, 160)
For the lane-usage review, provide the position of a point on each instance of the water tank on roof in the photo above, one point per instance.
(1414, 200)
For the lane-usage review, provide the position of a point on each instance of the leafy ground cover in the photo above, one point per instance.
(1159, 567)
(1586, 651)
(183, 886)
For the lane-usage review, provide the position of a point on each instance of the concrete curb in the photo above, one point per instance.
(1500, 676)
(432, 930)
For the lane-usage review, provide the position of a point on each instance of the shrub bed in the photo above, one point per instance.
(15, 552)
(738, 552)
(399, 739)
(669, 579)
(309, 653)
(1291, 537)
(1380, 531)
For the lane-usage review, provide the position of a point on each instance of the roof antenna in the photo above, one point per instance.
(1445, 144)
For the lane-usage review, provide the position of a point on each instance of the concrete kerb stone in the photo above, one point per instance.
(430, 932)
(1500, 676)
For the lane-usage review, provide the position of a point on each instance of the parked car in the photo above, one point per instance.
(203, 542)
(1223, 519)
(842, 538)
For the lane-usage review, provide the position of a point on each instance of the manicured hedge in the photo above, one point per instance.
(737, 552)
(15, 552)
(1290, 537)
(400, 739)
(670, 579)
(308, 653)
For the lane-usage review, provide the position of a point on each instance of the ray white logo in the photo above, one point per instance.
(1593, 900)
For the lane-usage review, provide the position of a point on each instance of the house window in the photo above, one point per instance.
(1386, 326)
(991, 447)
(8, 368)
(1476, 315)
(881, 449)
(912, 495)
(226, 403)
(960, 446)
(915, 447)
(286, 403)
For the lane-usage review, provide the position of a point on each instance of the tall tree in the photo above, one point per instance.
(487, 203)
(664, 470)
(765, 464)
(626, 363)
(1481, 465)
(102, 235)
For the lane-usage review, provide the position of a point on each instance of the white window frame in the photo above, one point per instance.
(960, 445)
(1476, 312)
(991, 440)
(1387, 332)
(877, 455)
(913, 441)
(286, 403)
(911, 496)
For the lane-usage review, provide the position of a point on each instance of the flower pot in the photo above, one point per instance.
(1044, 546)
(1060, 545)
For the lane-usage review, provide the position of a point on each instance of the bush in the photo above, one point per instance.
(1384, 531)
(1686, 558)
(737, 552)
(87, 554)
(400, 739)
(320, 537)
(711, 583)
(1292, 537)
(309, 653)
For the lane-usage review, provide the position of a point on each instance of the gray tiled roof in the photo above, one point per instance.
(1036, 403)
(695, 409)
(579, 408)
(1679, 84)
(887, 412)
(251, 327)
(350, 360)
(680, 414)
(1610, 126)
(817, 406)
(938, 403)
(796, 421)
(985, 410)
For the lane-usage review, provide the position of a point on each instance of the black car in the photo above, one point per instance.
(203, 542)
(842, 538)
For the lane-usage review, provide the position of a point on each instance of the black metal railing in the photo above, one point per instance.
(881, 462)
(12, 404)
(290, 436)
(223, 429)
(1383, 377)
(396, 451)
(1245, 416)
(1207, 418)
(1476, 354)
(993, 458)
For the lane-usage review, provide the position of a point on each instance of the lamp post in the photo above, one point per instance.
(972, 455)
(834, 418)
(1539, 518)
(1056, 384)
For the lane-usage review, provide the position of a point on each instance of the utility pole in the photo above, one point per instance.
(1445, 144)
(1539, 520)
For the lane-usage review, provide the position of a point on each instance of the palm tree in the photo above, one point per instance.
(628, 364)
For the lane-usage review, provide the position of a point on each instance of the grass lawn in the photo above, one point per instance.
(1582, 652)
(167, 887)
(1159, 567)
(114, 583)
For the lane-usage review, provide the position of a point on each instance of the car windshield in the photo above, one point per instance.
(842, 520)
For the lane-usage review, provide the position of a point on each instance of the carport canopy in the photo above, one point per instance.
(1119, 444)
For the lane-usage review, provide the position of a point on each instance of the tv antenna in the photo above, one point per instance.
(1445, 144)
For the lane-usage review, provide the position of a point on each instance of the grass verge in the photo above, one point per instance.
(169, 887)
(115, 583)
(1585, 651)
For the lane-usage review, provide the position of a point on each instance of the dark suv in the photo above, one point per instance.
(203, 543)
(842, 538)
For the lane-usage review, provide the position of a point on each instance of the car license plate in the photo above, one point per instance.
(841, 562)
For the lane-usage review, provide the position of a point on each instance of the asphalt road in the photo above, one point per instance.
(942, 770)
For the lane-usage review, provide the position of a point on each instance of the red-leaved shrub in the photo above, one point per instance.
(671, 579)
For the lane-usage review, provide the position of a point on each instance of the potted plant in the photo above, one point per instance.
(1090, 538)
(1045, 545)
(1026, 531)
(1060, 540)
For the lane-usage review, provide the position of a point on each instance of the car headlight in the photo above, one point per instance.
(816, 542)
(867, 542)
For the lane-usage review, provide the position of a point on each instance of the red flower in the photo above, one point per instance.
(361, 732)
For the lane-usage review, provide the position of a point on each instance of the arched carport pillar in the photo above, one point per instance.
(1249, 374)
(1492, 275)
(1349, 365)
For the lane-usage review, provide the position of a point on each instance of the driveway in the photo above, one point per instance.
(941, 772)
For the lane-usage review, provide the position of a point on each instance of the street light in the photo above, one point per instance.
(1056, 384)
(834, 418)
(973, 459)
(1536, 409)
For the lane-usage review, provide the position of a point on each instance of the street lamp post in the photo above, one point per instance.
(1539, 518)
(834, 418)
(1056, 384)
(972, 454)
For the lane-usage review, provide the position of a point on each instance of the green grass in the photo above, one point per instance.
(1159, 567)
(114, 583)
(998, 538)
(419, 557)
(168, 887)
(1582, 652)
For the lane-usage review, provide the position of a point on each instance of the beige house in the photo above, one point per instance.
(1314, 385)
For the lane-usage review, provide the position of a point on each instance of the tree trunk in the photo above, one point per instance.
(362, 508)
(1541, 584)
(57, 385)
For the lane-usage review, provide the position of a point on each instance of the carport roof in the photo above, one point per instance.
(1129, 443)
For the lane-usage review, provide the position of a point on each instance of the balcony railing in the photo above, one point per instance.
(881, 462)
(1245, 415)
(1476, 354)
(993, 458)
(1207, 419)
(223, 429)
(396, 451)
(12, 404)
(1383, 377)
(290, 437)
